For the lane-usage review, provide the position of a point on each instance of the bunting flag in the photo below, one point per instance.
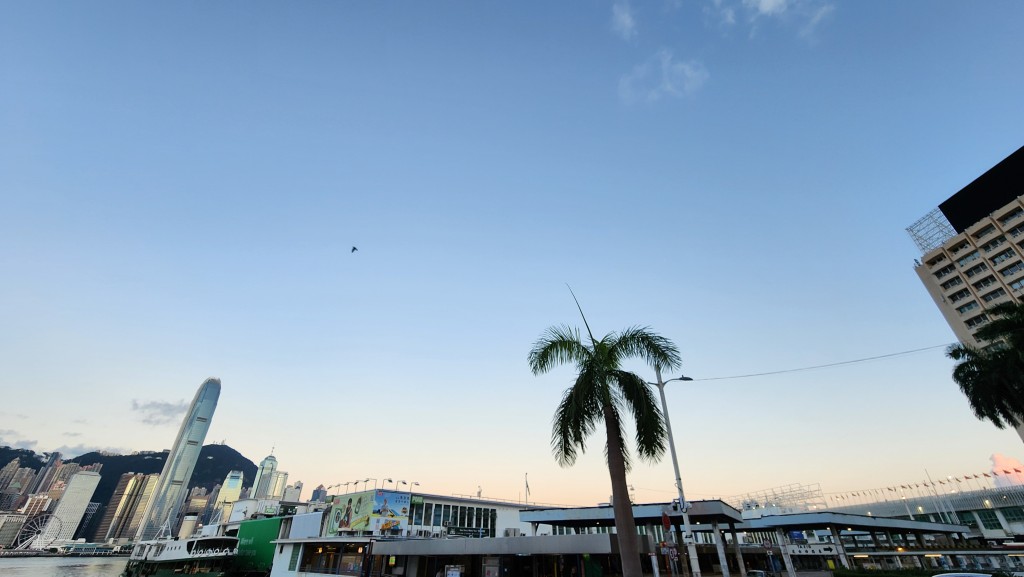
(941, 481)
(994, 472)
(891, 489)
(1007, 472)
(987, 475)
(1018, 470)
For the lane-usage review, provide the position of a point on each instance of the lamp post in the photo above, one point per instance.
(691, 547)
(374, 479)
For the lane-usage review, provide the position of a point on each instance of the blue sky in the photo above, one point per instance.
(182, 183)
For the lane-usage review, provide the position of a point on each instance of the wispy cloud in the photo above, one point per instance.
(11, 438)
(804, 15)
(623, 22)
(69, 434)
(159, 412)
(819, 15)
(767, 7)
(662, 76)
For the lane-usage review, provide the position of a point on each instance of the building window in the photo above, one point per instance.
(971, 256)
(938, 258)
(999, 292)
(976, 321)
(993, 244)
(1012, 269)
(966, 518)
(1013, 514)
(944, 271)
(988, 519)
(438, 513)
(962, 246)
(967, 307)
(985, 231)
(1016, 231)
(959, 295)
(985, 282)
(1003, 256)
(976, 270)
(955, 281)
(1017, 284)
(1010, 216)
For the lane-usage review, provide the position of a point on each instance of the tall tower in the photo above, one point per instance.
(262, 485)
(177, 472)
(229, 493)
(70, 510)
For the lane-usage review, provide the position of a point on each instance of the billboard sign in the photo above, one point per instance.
(377, 510)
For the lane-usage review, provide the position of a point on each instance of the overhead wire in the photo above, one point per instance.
(850, 362)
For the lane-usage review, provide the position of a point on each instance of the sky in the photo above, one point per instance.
(182, 184)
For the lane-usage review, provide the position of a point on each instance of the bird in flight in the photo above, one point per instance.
(354, 249)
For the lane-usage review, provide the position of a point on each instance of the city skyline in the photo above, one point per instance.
(182, 188)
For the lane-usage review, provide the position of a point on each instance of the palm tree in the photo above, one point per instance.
(992, 378)
(603, 392)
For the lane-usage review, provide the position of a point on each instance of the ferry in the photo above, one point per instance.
(203, 556)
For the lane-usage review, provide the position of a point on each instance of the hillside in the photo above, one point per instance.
(215, 461)
(28, 457)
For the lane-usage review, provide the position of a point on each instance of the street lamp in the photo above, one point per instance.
(374, 479)
(691, 547)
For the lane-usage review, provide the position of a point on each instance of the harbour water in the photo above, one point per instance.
(62, 566)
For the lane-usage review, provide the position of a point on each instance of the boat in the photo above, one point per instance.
(209, 556)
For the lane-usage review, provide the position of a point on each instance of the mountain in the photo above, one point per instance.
(215, 461)
(28, 457)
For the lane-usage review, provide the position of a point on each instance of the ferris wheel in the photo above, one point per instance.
(35, 528)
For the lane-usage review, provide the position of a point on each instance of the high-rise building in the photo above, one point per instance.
(137, 512)
(292, 493)
(262, 485)
(10, 527)
(36, 504)
(69, 512)
(7, 472)
(89, 521)
(162, 512)
(118, 508)
(41, 483)
(319, 494)
(278, 483)
(972, 247)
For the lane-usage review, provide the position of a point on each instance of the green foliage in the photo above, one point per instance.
(992, 378)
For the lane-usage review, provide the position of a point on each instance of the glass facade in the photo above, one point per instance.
(177, 471)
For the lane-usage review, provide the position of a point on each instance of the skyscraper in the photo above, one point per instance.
(41, 483)
(263, 483)
(177, 472)
(69, 512)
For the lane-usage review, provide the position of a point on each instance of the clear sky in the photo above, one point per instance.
(181, 185)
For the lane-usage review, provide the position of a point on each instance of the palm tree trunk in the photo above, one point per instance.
(625, 526)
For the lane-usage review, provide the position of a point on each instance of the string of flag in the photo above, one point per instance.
(935, 484)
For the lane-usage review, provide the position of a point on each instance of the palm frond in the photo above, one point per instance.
(558, 345)
(575, 420)
(654, 349)
(650, 424)
(992, 383)
(585, 323)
